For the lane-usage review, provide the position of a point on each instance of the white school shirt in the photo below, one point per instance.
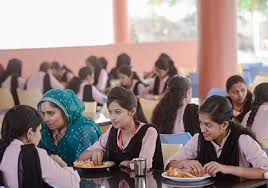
(52, 173)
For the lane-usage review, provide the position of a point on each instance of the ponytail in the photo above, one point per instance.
(254, 110)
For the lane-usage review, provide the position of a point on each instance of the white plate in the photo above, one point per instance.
(164, 174)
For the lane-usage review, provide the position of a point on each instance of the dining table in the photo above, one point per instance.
(124, 178)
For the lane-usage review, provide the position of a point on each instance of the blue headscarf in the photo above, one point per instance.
(81, 131)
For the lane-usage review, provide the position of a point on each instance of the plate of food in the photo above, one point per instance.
(88, 164)
(179, 175)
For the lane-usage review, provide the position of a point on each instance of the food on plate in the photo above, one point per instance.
(90, 164)
(178, 173)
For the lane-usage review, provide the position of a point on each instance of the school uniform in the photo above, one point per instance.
(51, 173)
(187, 119)
(157, 86)
(260, 123)
(102, 80)
(89, 93)
(43, 82)
(235, 149)
(12, 83)
(145, 143)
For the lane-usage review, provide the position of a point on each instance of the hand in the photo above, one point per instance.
(212, 168)
(58, 160)
(97, 156)
(125, 164)
(193, 166)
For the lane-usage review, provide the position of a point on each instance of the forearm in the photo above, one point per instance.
(249, 173)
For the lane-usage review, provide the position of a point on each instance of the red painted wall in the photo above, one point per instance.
(143, 55)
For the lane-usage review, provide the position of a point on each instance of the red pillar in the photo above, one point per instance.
(121, 23)
(217, 43)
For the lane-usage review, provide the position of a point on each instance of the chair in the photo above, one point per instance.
(90, 107)
(148, 107)
(29, 97)
(193, 77)
(178, 138)
(6, 99)
(104, 111)
(217, 91)
(258, 79)
(169, 149)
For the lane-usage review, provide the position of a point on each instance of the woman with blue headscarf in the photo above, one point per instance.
(66, 132)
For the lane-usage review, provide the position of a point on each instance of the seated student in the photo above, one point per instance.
(22, 163)
(173, 113)
(100, 74)
(239, 96)
(122, 60)
(84, 88)
(126, 138)
(129, 81)
(12, 79)
(43, 81)
(67, 74)
(164, 70)
(66, 131)
(257, 118)
(222, 149)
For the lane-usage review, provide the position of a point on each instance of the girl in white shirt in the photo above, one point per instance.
(173, 113)
(257, 118)
(22, 163)
(222, 148)
(84, 88)
(130, 81)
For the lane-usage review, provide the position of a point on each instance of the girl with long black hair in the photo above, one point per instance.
(223, 148)
(127, 138)
(256, 119)
(174, 113)
(22, 164)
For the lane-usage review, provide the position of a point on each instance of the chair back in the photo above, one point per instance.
(29, 97)
(90, 106)
(178, 138)
(6, 99)
(170, 149)
(104, 111)
(148, 107)
(217, 91)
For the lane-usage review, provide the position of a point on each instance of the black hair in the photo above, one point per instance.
(234, 80)
(55, 65)
(91, 59)
(167, 65)
(260, 96)
(44, 67)
(103, 62)
(126, 70)
(14, 67)
(84, 72)
(127, 100)
(97, 69)
(17, 121)
(75, 82)
(122, 59)
(165, 112)
(220, 109)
